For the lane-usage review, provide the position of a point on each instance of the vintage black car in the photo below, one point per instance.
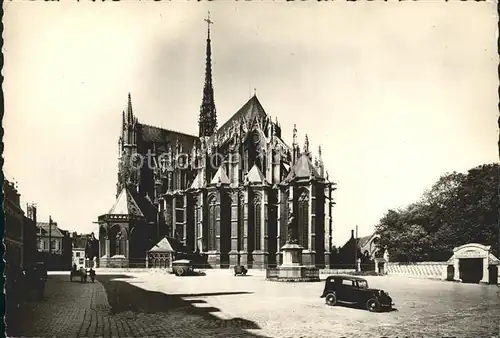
(240, 270)
(355, 291)
(182, 267)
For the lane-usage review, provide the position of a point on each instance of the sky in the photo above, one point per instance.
(396, 94)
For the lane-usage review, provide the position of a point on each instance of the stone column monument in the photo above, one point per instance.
(292, 251)
(291, 269)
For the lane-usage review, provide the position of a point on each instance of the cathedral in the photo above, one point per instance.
(227, 193)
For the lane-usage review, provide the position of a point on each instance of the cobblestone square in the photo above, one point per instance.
(156, 304)
(424, 307)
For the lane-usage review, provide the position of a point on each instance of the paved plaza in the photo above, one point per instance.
(156, 304)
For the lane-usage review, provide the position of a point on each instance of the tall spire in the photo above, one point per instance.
(208, 114)
(130, 114)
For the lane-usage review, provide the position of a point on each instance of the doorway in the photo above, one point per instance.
(493, 274)
(471, 270)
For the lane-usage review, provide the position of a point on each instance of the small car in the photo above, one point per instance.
(182, 267)
(355, 291)
(240, 270)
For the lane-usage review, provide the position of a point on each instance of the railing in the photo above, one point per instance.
(272, 273)
(310, 272)
(336, 271)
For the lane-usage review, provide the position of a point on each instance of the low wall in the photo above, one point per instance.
(336, 271)
(424, 269)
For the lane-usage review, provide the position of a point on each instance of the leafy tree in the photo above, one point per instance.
(458, 209)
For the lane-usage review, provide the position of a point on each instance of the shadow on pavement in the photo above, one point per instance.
(123, 297)
(362, 308)
(212, 294)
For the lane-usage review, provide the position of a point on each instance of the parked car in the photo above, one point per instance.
(240, 270)
(182, 267)
(355, 291)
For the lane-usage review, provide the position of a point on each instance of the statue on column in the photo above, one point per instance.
(291, 231)
(119, 244)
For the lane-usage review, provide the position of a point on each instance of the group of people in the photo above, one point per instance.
(83, 273)
(91, 252)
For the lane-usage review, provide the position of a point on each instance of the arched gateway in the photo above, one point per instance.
(473, 263)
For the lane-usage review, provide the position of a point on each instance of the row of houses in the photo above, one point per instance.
(28, 241)
(20, 236)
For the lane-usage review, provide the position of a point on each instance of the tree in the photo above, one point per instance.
(458, 209)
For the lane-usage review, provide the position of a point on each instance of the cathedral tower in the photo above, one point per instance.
(127, 174)
(208, 114)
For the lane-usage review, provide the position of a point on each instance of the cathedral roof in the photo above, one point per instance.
(302, 169)
(220, 177)
(125, 205)
(151, 134)
(251, 109)
(256, 176)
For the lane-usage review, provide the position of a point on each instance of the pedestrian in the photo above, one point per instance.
(92, 275)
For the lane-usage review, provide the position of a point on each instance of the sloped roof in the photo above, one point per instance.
(249, 110)
(220, 177)
(151, 134)
(492, 260)
(362, 241)
(45, 228)
(197, 183)
(125, 205)
(256, 176)
(167, 244)
(303, 168)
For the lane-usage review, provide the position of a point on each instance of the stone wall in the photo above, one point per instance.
(423, 269)
(336, 271)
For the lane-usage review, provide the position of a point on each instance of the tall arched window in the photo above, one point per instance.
(257, 207)
(285, 211)
(303, 218)
(212, 220)
(241, 222)
(196, 219)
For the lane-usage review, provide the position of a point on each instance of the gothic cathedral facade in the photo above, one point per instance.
(227, 193)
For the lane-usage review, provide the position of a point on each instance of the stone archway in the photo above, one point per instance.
(137, 245)
(471, 263)
(117, 238)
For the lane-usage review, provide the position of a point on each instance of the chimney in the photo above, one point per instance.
(352, 233)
